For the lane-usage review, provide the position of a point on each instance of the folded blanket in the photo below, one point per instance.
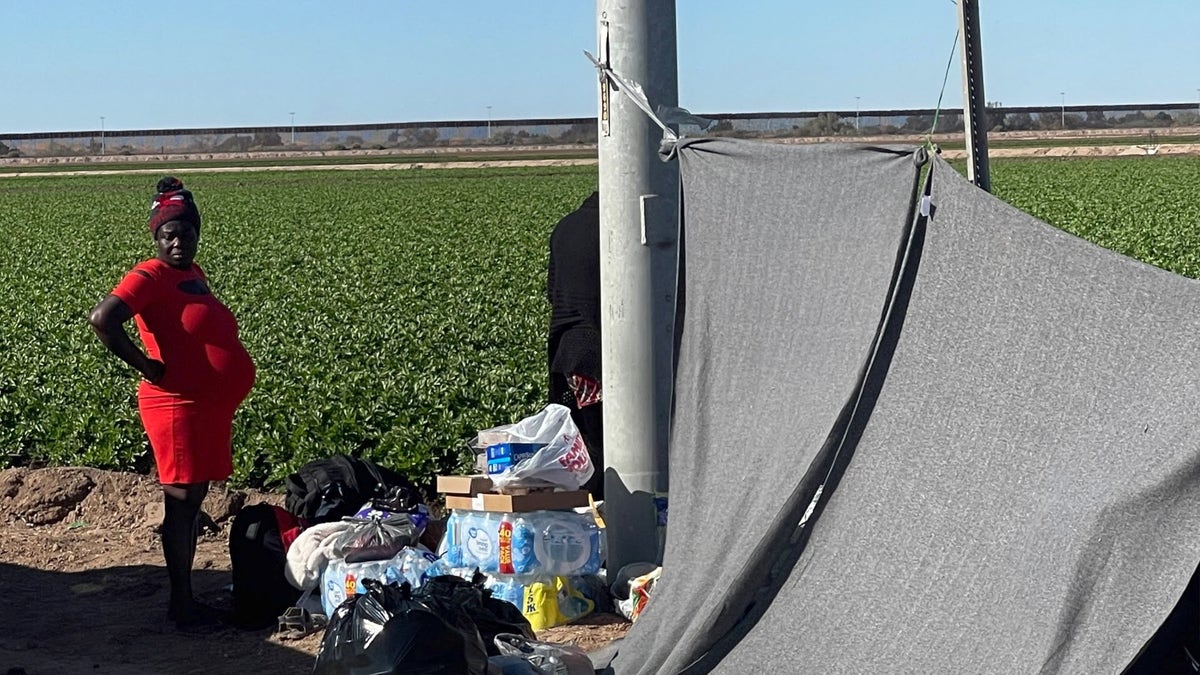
(308, 555)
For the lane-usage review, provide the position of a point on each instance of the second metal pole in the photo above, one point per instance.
(975, 120)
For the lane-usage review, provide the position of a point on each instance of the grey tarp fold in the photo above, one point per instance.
(766, 366)
(1024, 496)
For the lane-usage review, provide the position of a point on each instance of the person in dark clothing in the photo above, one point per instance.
(573, 348)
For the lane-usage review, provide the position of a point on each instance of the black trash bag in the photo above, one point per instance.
(399, 499)
(324, 490)
(491, 616)
(375, 538)
(388, 630)
(460, 603)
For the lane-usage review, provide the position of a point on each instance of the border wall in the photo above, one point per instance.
(1166, 118)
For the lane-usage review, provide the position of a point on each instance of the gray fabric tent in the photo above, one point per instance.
(961, 443)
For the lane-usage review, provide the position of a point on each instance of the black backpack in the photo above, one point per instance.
(257, 556)
(326, 490)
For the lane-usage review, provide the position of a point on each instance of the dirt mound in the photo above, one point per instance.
(82, 497)
(43, 498)
(72, 519)
(84, 579)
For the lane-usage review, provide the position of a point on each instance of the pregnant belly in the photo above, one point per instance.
(215, 372)
(233, 370)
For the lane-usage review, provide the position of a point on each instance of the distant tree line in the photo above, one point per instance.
(1089, 119)
(583, 131)
(874, 123)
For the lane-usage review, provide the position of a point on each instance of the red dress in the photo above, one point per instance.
(189, 414)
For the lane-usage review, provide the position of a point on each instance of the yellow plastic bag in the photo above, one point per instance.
(553, 602)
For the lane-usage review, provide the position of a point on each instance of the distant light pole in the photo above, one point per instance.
(1062, 119)
(293, 127)
(489, 121)
(857, 108)
(1198, 103)
(102, 135)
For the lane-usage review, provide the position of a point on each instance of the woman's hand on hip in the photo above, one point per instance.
(154, 371)
(108, 319)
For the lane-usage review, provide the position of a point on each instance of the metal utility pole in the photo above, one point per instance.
(293, 127)
(102, 135)
(974, 103)
(1062, 115)
(639, 222)
(857, 109)
(489, 121)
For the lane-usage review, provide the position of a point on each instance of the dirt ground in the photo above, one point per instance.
(85, 587)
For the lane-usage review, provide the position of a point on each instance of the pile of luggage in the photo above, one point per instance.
(335, 508)
(353, 552)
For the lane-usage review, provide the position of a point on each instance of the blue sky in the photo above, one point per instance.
(248, 62)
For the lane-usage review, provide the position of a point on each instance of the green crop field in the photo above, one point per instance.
(1143, 207)
(391, 314)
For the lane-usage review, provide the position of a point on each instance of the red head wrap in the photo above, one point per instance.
(173, 202)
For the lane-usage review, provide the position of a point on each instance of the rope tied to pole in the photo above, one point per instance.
(938, 109)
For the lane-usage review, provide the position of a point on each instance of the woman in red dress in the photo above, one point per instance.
(195, 375)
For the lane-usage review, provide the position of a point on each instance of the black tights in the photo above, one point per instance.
(180, 528)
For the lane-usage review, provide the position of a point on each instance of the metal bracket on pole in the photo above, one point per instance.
(603, 65)
(660, 221)
(642, 203)
(631, 89)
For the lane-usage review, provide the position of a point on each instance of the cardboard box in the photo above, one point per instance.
(462, 503)
(464, 485)
(537, 501)
(491, 437)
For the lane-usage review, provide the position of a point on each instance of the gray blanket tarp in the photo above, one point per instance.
(1024, 496)
(766, 366)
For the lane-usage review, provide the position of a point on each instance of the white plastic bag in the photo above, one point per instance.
(561, 659)
(563, 463)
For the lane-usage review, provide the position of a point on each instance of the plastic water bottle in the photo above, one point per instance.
(409, 565)
(510, 590)
(333, 585)
(523, 559)
(453, 540)
(557, 543)
(479, 538)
